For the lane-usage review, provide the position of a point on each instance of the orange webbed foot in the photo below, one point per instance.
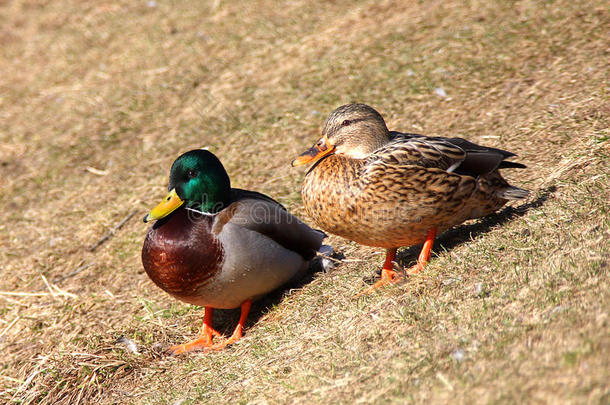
(388, 277)
(208, 333)
(205, 339)
(237, 333)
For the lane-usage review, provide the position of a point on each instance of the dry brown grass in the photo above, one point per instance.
(97, 98)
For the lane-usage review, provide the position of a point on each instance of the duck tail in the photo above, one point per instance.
(512, 193)
(505, 164)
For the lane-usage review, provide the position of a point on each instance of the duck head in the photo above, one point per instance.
(197, 180)
(353, 130)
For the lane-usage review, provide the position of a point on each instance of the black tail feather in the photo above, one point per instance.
(511, 165)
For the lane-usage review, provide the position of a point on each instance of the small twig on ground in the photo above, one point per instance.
(112, 231)
(25, 294)
(55, 291)
(75, 272)
(10, 326)
(46, 282)
(445, 381)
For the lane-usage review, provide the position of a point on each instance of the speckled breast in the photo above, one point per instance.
(395, 209)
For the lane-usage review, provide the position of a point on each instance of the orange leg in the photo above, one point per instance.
(205, 339)
(237, 333)
(424, 255)
(389, 276)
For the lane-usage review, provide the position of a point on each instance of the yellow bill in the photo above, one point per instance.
(168, 205)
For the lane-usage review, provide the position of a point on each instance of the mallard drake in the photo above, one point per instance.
(390, 189)
(221, 247)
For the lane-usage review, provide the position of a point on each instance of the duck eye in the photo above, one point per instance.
(191, 174)
(345, 123)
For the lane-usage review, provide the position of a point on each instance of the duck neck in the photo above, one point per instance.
(211, 202)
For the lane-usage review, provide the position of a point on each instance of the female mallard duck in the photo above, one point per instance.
(389, 189)
(220, 247)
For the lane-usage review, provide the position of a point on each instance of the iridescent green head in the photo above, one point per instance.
(198, 180)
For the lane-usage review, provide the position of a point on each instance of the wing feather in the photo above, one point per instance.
(454, 155)
(262, 214)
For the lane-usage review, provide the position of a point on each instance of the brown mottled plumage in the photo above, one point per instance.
(389, 189)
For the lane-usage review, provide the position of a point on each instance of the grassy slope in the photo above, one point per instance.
(513, 308)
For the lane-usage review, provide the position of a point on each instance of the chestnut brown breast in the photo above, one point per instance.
(181, 253)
